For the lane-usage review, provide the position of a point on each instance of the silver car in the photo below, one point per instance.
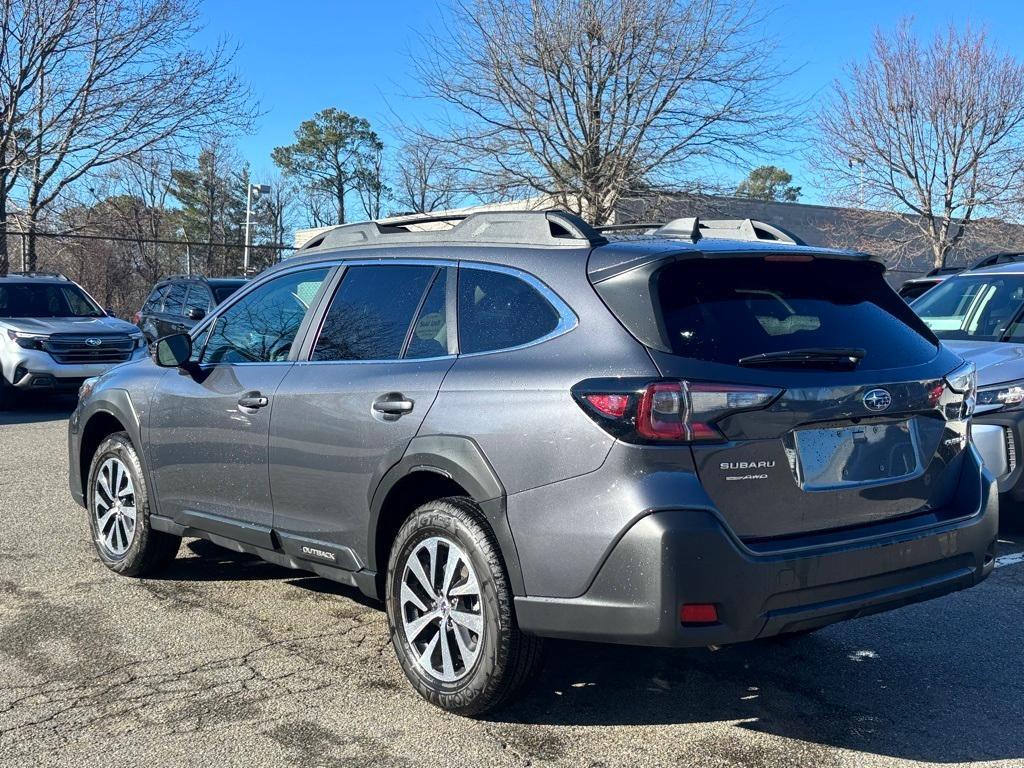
(979, 314)
(53, 336)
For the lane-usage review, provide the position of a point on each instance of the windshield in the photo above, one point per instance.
(47, 300)
(982, 307)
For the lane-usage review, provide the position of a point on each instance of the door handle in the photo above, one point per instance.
(253, 400)
(393, 404)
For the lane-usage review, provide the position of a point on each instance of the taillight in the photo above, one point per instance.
(672, 411)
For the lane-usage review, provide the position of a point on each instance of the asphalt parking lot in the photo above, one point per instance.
(229, 661)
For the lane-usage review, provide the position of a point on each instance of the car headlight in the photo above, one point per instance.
(27, 340)
(87, 386)
(1001, 397)
(964, 381)
(139, 339)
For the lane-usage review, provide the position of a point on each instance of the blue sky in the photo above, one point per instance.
(304, 55)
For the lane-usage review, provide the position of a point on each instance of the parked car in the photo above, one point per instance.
(918, 286)
(980, 315)
(177, 303)
(516, 429)
(54, 335)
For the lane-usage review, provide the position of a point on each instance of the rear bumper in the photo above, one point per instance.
(668, 558)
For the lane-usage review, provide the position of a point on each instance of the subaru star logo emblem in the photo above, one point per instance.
(877, 400)
(94, 342)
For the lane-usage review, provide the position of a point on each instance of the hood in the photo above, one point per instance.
(50, 325)
(996, 361)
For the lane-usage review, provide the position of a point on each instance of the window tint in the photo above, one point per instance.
(430, 333)
(975, 307)
(223, 290)
(262, 326)
(28, 300)
(724, 309)
(174, 300)
(198, 298)
(155, 299)
(498, 311)
(372, 310)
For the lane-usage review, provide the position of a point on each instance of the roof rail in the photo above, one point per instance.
(48, 275)
(543, 228)
(694, 228)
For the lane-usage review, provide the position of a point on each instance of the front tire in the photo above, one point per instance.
(118, 502)
(450, 611)
(7, 393)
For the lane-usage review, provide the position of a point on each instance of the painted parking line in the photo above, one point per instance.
(1012, 559)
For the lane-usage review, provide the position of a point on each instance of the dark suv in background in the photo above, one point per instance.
(515, 429)
(178, 303)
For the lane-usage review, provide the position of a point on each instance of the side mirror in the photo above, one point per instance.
(173, 351)
(110, 312)
(197, 314)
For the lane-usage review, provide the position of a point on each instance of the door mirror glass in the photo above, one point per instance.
(173, 351)
(197, 314)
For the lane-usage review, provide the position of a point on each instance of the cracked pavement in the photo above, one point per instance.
(229, 661)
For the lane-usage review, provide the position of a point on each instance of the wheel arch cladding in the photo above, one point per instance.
(110, 413)
(434, 467)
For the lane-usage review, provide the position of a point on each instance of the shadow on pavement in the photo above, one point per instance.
(31, 409)
(936, 682)
(215, 563)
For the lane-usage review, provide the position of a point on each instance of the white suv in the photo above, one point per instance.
(53, 335)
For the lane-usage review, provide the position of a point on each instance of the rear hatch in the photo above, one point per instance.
(817, 398)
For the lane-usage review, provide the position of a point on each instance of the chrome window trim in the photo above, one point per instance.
(567, 318)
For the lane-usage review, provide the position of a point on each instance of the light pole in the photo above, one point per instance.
(259, 189)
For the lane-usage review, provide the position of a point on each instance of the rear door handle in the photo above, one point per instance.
(253, 400)
(393, 404)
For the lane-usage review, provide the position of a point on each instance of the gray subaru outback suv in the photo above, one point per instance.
(515, 429)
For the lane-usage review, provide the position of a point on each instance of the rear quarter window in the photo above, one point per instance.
(498, 311)
(725, 309)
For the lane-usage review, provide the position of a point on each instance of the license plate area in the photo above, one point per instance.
(828, 458)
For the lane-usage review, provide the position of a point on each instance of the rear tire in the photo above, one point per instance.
(118, 503)
(456, 635)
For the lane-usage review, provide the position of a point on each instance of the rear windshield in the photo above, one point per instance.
(222, 290)
(911, 291)
(725, 309)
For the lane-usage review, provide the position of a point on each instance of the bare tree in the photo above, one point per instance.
(933, 131)
(583, 100)
(427, 178)
(88, 83)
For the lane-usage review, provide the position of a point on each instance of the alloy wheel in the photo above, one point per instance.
(441, 609)
(114, 507)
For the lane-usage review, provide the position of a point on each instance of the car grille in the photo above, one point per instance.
(71, 349)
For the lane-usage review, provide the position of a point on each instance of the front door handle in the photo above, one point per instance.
(253, 400)
(393, 404)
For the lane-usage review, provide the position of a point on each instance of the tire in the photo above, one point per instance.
(7, 394)
(119, 522)
(483, 669)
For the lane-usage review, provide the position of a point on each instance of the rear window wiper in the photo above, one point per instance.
(825, 357)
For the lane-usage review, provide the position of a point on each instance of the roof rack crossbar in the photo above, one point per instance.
(541, 228)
